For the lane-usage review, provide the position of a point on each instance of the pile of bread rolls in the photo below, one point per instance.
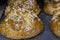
(21, 19)
(52, 7)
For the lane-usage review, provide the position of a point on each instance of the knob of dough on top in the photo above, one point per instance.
(26, 5)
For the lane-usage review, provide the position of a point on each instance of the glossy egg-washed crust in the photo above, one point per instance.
(51, 6)
(21, 20)
(55, 24)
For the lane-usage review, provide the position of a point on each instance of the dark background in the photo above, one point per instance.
(46, 19)
(3, 2)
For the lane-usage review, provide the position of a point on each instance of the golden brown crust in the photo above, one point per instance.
(21, 29)
(24, 5)
(55, 25)
(21, 23)
(51, 7)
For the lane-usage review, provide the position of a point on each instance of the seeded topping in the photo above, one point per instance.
(25, 6)
(16, 10)
(21, 18)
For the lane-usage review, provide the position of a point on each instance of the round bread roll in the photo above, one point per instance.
(21, 21)
(55, 25)
(51, 6)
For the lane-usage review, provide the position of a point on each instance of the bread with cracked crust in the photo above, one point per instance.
(21, 21)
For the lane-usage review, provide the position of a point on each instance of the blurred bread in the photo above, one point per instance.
(55, 25)
(51, 6)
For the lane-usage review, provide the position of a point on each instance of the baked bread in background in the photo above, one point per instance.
(21, 20)
(51, 6)
(55, 24)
